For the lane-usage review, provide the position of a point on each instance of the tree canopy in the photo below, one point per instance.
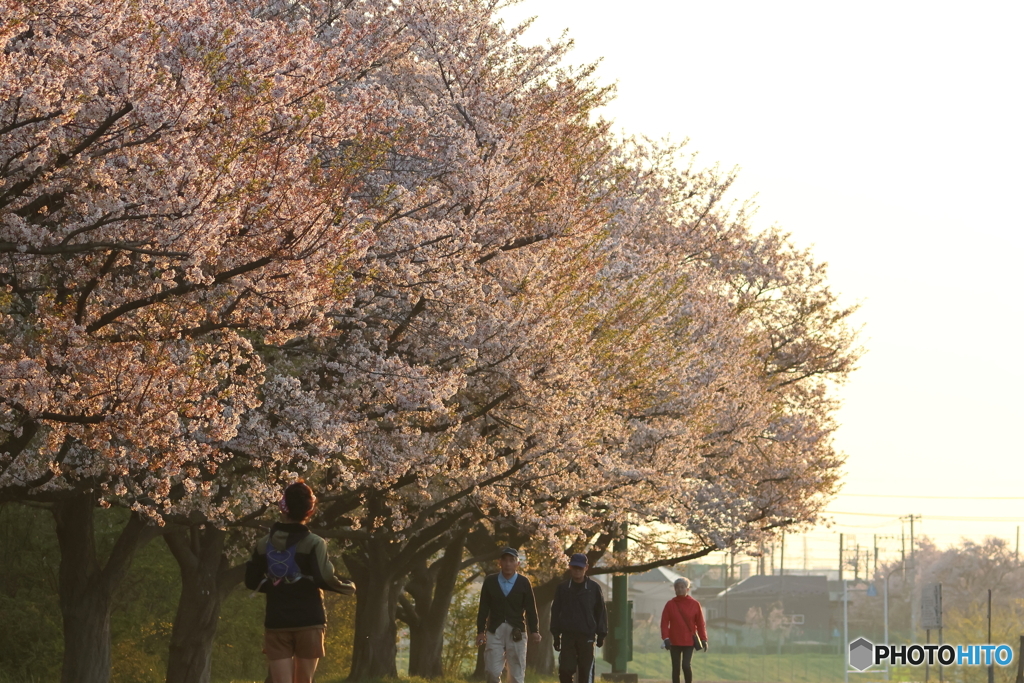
(388, 247)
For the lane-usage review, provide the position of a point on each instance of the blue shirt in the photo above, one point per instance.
(506, 584)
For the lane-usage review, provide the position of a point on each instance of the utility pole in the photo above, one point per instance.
(874, 567)
(914, 598)
(913, 563)
(840, 557)
(991, 671)
(782, 555)
(903, 550)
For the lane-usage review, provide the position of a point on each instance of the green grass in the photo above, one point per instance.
(755, 668)
(530, 678)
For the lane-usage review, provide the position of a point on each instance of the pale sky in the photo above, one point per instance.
(888, 137)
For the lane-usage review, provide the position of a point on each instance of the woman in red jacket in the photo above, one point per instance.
(681, 618)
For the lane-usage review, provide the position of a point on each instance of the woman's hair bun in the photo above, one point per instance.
(299, 501)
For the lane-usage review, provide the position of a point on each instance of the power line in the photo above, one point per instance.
(883, 525)
(941, 518)
(863, 514)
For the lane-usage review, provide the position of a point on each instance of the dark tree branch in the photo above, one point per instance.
(184, 288)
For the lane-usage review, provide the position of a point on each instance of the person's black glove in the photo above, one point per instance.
(705, 645)
(600, 641)
(665, 644)
(558, 643)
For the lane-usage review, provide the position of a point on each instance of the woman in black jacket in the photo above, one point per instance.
(290, 565)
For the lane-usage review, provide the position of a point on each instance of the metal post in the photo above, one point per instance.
(846, 637)
(1020, 661)
(912, 556)
(941, 668)
(841, 558)
(874, 565)
(725, 594)
(782, 555)
(991, 670)
(620, 590)
(903, 549)
(885, 618)
(915, 603)
(927, 641)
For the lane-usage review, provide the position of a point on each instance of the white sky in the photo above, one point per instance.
(888, 136)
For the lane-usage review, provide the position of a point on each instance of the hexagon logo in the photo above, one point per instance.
(862, 654)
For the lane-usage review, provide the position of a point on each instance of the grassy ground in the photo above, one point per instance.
(530, 678)
(786, 668)
(655, 666)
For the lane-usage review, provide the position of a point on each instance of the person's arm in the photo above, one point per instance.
(323, 572)
(532, 620)
(484, 610)
(600, 617)
(600, 613)
(555, 624)
(701, 626)
(256, 570)
(666, 622)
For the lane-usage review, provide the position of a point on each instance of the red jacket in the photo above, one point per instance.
(681, 618)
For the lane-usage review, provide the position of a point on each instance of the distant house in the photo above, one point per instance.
(762, 610)
(648, 591)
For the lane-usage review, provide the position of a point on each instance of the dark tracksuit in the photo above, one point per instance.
(579, 618)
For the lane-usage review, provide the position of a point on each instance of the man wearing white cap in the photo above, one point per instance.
(508, 610)
(578, 622)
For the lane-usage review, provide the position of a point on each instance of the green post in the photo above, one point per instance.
(623, 621)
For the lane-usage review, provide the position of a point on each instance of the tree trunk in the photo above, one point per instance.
(425, 652)
(206, 580)
(480, 670)
(374, 649)
(432, 588)
(540, 657)
(86, 588)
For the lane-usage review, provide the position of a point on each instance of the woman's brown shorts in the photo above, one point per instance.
(304, 643)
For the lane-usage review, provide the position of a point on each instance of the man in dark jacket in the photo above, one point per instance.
(507, 612)
(578, 621)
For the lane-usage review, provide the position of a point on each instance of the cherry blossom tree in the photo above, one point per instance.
(386, 246)
(179, 182)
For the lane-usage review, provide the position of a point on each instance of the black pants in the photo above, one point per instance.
(687, 653)
(576, 657)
